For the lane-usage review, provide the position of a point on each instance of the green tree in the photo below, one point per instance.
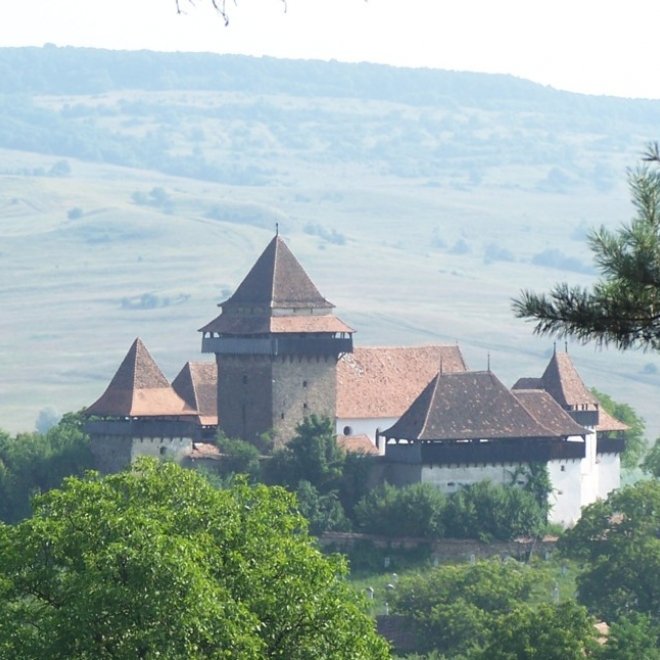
(32, 463)
(238, 457)
(491, 511)
(155, 562)
(323, 512)
(313, 455)
(635, 439)
(651, 462)
(631, 638)
(414, 510)
(618, 540)
(455, 606)
(623, 308)
(562, 631)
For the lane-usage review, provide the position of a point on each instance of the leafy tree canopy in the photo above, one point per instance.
(454, 605)
(313, 455)
(651, 463)
(561, 631)
(32, 463)
(618, 540)
(635, 438)
(623, 308)
(155, 562)
(631, 638)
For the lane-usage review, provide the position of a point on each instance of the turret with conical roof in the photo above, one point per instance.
(562, 381)
(276, 343)
(141, 415)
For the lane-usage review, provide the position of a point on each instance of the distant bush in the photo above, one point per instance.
(150, 300)
(330, 236)
(482, 510)
(60, 168)
(494, 252)
(460, 247)
(74, 213)
(157, 197)
(414, 511)
(553, 258)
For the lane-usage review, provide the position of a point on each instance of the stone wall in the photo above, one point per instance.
(245, 395)
(302, 386)
(443, 549)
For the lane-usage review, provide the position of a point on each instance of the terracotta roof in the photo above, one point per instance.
(548, 412)
(228, 324)
(139, 389)
(278, 280)
(470, 405)
(357, 444)
(383, 381)
(197, 385)
(563, 382)
(607, 422)
(204, 450)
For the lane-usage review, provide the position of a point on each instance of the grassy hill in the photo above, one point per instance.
(135, 194)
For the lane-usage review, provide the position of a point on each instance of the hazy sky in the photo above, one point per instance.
(591, 46)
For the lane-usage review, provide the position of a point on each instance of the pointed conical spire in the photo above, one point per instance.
(561, 380)
(278, 280)
(197, 385)
(276, 296)
(139, 389)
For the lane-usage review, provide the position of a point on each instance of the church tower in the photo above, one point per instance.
(276, 344)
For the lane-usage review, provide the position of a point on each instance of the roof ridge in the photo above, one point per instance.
(431, 402)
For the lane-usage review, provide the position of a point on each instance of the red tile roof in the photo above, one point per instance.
(563, 382)
(139, 389)
(228, 324)
(608, 423)
(357, 444)
(378, 382)
(197, 385)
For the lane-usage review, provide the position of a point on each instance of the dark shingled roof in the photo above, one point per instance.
(139, 389)
(276, 296)
(382, 381)
(197, 385)
(278, 280)
(470, 405)
(548, 412)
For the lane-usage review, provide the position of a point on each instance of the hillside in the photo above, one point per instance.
(136, 189)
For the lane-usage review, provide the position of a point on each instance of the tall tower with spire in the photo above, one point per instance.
(276, 344)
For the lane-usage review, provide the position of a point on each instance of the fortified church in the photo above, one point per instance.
(281, 355)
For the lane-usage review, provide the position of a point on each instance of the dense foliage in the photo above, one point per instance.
(486, 611)
(32, 463)
(334, 492)
(651, 463)
(155, 562)
(635, 438)
(618, 542)
(483, 511)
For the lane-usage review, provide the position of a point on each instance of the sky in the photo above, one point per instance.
(589, 46)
